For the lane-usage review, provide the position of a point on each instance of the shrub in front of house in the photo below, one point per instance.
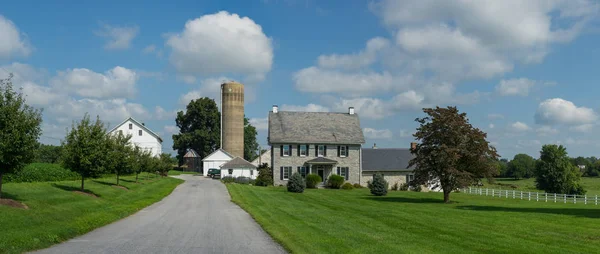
(265, 175)
(395, 187)
(312, 180)
(252, 182)
(228, 179)
(335, 181)
(357, 186)
(296, 183)
(242, 180)
(347, 186)
(417, 188)
(379, 186)
(404, 187)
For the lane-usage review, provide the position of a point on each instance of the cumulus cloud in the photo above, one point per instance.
(582, 128)
(172, 129)
(149, 49)
(221, 43)
(515, 87)
(308, 108)
(13, 43)
(560, 111)
(363, 58)
(546, 130)
(260, 124)
(495, 116)
(377, 134)
(210, 87)
(118, 37)
(117, 82)
(519, 127)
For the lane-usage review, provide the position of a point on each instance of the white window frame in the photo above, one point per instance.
(289, 150)
(343, 151)
(287, 170)
(321, 151)
(305, 150)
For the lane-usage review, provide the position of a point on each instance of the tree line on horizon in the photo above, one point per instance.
(523, 166)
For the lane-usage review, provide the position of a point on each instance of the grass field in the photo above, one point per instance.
(353, 221)
(177, 172)
(591, 184)
(56, 213)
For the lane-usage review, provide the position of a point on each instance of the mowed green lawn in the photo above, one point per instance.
(57, 214)
(354, 221)
(591, 185)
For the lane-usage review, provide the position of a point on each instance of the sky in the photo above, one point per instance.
(525, 72)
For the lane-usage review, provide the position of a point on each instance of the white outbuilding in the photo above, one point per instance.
(238, 167)
(215, 160)
(141, 135)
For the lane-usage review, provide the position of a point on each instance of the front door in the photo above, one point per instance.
(321, 172)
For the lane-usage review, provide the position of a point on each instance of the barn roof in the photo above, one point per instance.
(191, 154)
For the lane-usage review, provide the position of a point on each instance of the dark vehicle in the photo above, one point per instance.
(212, 172)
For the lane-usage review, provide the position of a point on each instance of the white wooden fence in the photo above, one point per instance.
(537, 196)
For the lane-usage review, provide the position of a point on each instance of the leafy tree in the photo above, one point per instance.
(555, 173)
(199, 128)
(19, 130)
(581, 161)
(164, 164)
(136, 157)
(296, 183)
(119, 154)
(84, 148)
(250, 144)
(48, 153)
(522, 166)
(452, 153)
(502, 167)
(265, 175)
(147, 162)
(379, 186)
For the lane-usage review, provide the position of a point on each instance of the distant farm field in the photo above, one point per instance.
(354, 221)
(591, 185)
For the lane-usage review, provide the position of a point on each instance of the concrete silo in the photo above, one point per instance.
(232, 118)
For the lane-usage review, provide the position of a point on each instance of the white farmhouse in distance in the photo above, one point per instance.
(141, 136)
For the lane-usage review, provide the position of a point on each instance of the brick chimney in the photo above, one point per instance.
(413, 145)
(275, 109)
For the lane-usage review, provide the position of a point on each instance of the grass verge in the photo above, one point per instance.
(340, 221)
(177, 172)
(56, 213)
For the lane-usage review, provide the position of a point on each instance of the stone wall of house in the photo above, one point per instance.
(352, 161)
(391, 177)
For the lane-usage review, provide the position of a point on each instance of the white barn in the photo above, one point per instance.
(215, 160)
(263, 158)
(238, 167)
(141, 136)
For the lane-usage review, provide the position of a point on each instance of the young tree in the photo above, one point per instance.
(265, 175)
(555, 173)
(522, 166)
(250, 144)
(379, 186)
(199, 128)
(135, 161)
(119, 153)
(146, 163)
(164, 164)
(452, 153)
(85, 149)
(19, 130)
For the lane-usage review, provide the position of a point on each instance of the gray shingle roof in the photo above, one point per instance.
(237, 162)
(321, 160)
(315, 128)
(386, 159)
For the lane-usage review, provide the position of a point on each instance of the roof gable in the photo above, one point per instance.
(237, 162)
(315, 127)
(386, 159)
(143, 127)
(218, 154)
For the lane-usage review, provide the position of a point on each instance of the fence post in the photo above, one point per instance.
(554, 197)
(521, 194)
(574, 199)
(546, 194)
(565, 198)
(537, 196)
(529, 196)
(506, 193)
(596, 200)
(486, 191)
(514, 191)
(585, 199)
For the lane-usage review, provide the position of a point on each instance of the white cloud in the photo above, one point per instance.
(355, 61)
(546, 130)
(519, 127)
(221, 43)
(308, 108)
(118, 82)
(377, 134)
(188, 97)
(12, 44)
(495, 116)
(188, 79)
(172, 129)
(317, 80)
(261, 124)
(210, 87)
(405, 133)
(149, 49)
(518, 87)
(119, 37)
(582, 128)
(366, 107)
(491, 126)
(161, 114)
(560, 111)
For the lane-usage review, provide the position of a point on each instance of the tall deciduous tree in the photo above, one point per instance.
(84, 148)
(555, 173)
(522, 166)
(451, 153)
(19, 130)
(119, 152)
(199, 128)
(250, 144)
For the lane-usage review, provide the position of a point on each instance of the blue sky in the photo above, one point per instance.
(526, 72)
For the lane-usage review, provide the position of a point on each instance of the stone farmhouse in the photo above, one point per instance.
(323, 143)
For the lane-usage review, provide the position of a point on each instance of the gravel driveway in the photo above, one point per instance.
(198, 217)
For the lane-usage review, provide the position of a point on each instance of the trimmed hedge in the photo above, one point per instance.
(347, 186)
(312, 180)
(42, 172)
(335, 181)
